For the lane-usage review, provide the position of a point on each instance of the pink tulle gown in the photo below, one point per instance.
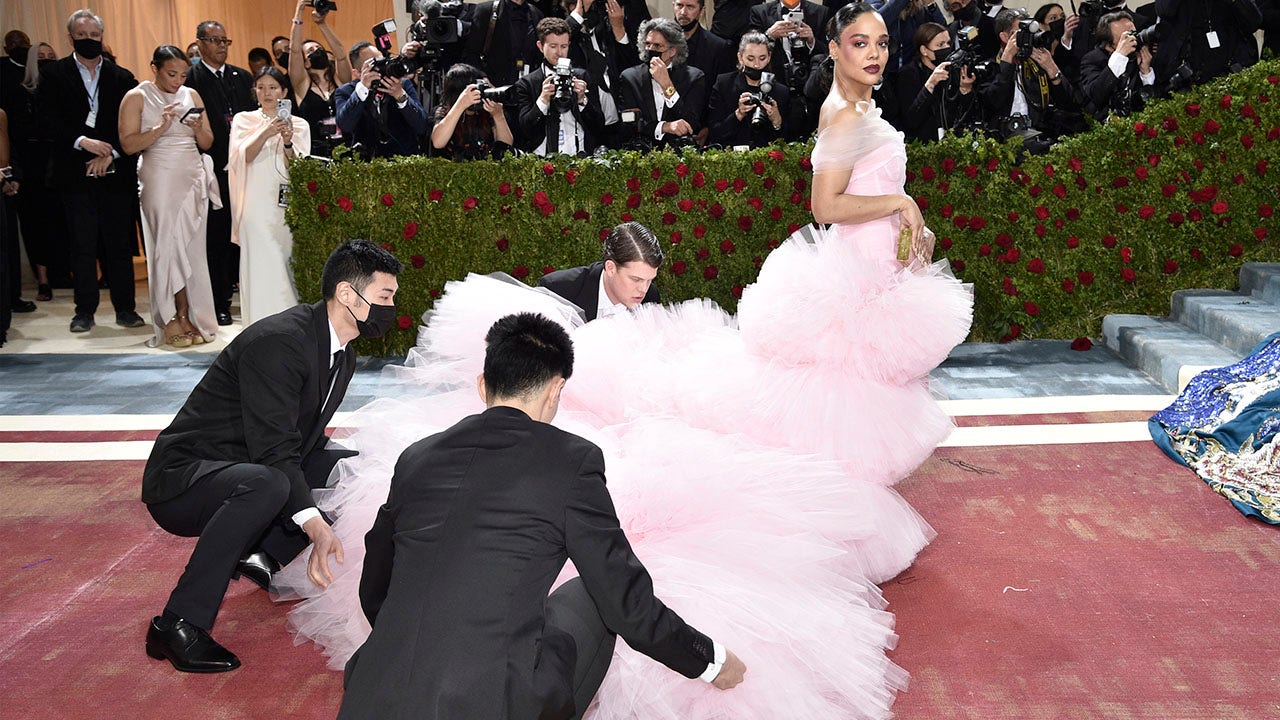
(750, 458)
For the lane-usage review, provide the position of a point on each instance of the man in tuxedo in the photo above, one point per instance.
(237, 465)
(226, 90)
(502, 41)
(623, 278)
(601, 42)
(81, 95)
(381, 114)
(731, 17)
(794, 42)
(1032, 86)
(548, 123)
(671, 97)
(477, 525)
(1113, 74)
(710, 53)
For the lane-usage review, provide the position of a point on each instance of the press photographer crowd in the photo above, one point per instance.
(90, 145)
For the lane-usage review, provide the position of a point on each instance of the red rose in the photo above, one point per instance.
(1219, 207)
(627, 217)
(418, 261)
(1122, 208)
(944, 243)
(345, 203)
(944, 187)
(520, 272)
(1042, 212)
(504, 188)
(1081, 344)
(676, 237)
(1169, 124)
(1126, 255)
(744, 222)
(960, 221)
(775, 212)
(756, 203)
(722, 185)
(727, 247)
(571, 176)
(1194, 215)
(739, 185)
(977, 222)
(1193, 109)
(604, 233)
(1012, 255)
(946, 211)
(548, 269)
(1141, 172)
(405, 322)
(1080, 182)
(548, 169)
(1008, 287)
(1004, 240)
(702, 253)
(1236, 250)
(655, 173)
(435, 195)
(770, 183)
(992, 164)
(1035, 190)
(1176, 218)
(1014, 217)
(1085, 277)
(757, 167)
(1265, 210)
(1039, 229)
(1060, 191)
(806, 163)
(948, 164)
(1075, 164)
(1196, 254)
(1031, 308)
(682, 170)
(1120, 182)
(633, 201)
(716, 211)
(927, 174)
(1170, 267)
(1197, 137)
(1225, 102)
(470, 203)
(1068, 285)
(685, 205)
(633, 184)
(669, 189)
(1261, 168)
(796, 198)
(1109, 241)
(792, 227)
(736, 291)
(388, 200)
(1247, 141)
(710, 272)
(668, 218)
(1146, 211)
(1128, 275)
(699, 179)
(799, 185)
(581, 215)
(958, 266)
(971, 171)
(519, 192)
(1073, 242)
(434, 293)
(1036, 266)
(1073, 214)
(1260, 233)
(777, 155)
(548, 209)
(503, 244)
(1273, 134)
(984, 250)
(606, 199)
(699, 231)
(1212, 127)
(1238, 178)
(312, 187)
(1139, 128)
(1014, 331)
(410, 230)
(323, 209)
(540, 198)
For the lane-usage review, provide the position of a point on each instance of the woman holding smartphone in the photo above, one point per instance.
(163, 122)
(263, 144)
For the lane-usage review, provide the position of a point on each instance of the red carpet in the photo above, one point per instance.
(1066, 582)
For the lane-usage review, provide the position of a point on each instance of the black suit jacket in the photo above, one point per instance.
(731, 18)
(714, 56)
(1099, 85)
(499, 63)
(581, 286)
(636, 91)
(477, 525)
(1184, 25)
(815, 16)
(262, 401)
(614, 56)
(222, 100)
(66, 103)
(358, 120)
(727, 130)
(531, 123)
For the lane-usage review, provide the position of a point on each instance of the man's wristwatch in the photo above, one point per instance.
(669, 92)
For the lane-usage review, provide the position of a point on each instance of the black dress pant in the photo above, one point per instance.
(222, 254)
(101, 217)
(571, 610)
(234, 511)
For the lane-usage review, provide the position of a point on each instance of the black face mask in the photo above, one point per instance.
(752, 73)
(379, 322)
(319, 59)
(690, 25)
(42, 64)
(19, 55)
(1059, 27)
(283, 60)
(941, 54)
(87, 48)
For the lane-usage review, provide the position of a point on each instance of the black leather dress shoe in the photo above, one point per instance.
(224, 317)
(81, 323)
(129, 319)
(258, 567)
(189, 648)
(23, 306)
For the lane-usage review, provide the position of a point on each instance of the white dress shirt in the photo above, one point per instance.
(572, 138)
(661, 102)
(604, 306)
(90, 77)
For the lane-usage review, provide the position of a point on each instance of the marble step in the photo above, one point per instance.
(1236, 321)
(1165, 349)
(1262, 281)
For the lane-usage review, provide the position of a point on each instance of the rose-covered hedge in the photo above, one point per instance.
(1112, 220)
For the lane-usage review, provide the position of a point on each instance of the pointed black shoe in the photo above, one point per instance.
(258, 567)
(189, 648)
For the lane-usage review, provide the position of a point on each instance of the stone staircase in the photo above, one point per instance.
(1205, 328)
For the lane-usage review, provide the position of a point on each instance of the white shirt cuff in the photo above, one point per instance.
(713, 669)
(626, 40)
(403, 103)
(301, 517)
(544, 106)
(1066, 43)
(671, 101)
(1148, 77)
(657, 131)
(1117, 64)
(362, 92)
(80, 139)
(577, 17)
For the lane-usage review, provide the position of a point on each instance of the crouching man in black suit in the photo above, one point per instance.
(479, 521)
(237, 465)
(622, 279)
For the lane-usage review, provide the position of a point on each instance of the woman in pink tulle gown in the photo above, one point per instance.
(750, 459)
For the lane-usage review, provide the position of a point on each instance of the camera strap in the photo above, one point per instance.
(493, 24)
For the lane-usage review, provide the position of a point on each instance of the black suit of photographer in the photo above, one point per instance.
(636, 92)
(1144, 16)
(722, 114)
(976, 15)
(503, 46)
(594, 46)
(1104, 92)
(815, 16)
(1184, 36)
(1052, 106)
(533, 126)
(927, 112)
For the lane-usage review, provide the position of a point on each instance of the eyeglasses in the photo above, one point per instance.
(216, 40)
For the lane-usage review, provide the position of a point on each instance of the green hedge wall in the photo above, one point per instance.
(1112, 220)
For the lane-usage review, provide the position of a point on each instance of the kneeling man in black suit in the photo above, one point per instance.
(236, 466)
(622, 279)
(478, 523)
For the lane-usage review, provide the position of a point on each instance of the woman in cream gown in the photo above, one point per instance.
(262, 147)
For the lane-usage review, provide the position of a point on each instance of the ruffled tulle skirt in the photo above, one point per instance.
(749, 459)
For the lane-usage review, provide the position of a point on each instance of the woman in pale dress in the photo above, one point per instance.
(262, 147)
(175, 184)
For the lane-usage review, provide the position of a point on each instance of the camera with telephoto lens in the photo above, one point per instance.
(390, 66)
(968, 52)
(564, 99)
(442, 22)
(323, 7)
(1146, 36)
(758, 100)
(489, 92)
(1029, 37)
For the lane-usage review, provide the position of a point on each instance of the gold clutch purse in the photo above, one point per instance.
(904, 245)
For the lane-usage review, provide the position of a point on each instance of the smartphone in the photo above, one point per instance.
(796, 16)
(284, 108)
(192, 111)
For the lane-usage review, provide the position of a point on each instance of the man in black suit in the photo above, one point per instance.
(226, 90)
(1114, 73)
(1214, 37)
(622, 279)
(381, 114)
(601, 40)
(81, 95)
(236, 466)
(546, 121)
(671, 97)
(975, 13)
(710, 53)
(1031, 85)
(793, 42)
(730, 18)
(477, 525)
(502, 41)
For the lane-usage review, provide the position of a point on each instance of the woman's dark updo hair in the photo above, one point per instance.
(165, 53)
(456, 79)
(276, 74)
(845, 17)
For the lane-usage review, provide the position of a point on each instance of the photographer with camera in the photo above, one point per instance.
(314, 78)
(600, 41)
(1054, 17)
(798, 31)
(1092, 11)
(903, 18)
(1116, 76)
(669, 96)
(1029, 94)
(1211, 37)
(555, 113)
(475, 125)
(380, 113)
(746, 105)
(503, 41)
(933, 101)
(976, 14)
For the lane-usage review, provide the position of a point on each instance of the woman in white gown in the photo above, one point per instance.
(750, 459)
(262, 146)
(175, 186)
